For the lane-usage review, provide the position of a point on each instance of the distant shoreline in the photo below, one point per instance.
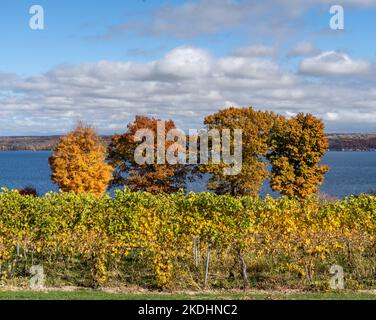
(51, 150)
(355, 142)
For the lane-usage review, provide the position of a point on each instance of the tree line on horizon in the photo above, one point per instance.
(337, 142)
(293, 147)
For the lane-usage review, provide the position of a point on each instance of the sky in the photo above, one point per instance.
(106, 61)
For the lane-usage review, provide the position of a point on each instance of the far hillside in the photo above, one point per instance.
(33, 143)
(337, 142)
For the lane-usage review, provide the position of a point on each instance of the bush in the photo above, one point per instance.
(28, 191)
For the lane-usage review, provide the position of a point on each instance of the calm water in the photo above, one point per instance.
(351, 172)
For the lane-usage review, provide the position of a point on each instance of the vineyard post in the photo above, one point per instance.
(195, 251)
(207, 266)
(25, 257)
(18, 253)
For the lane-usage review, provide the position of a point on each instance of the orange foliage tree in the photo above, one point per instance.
(78, 163)
(297, 146)
(255, 126)
(150, 177)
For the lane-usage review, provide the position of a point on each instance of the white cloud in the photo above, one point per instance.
(304, 49)
(331, 116)
(186, 84)
(200, 17)
(184, 62)
(255, 51)
(335, 64)
(248, 68)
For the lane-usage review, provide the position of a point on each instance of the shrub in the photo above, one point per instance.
(28, 191)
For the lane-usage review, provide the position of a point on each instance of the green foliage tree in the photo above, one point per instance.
(297, 146)
(78, 163)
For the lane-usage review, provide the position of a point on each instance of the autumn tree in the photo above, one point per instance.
(297, 146)
(154, 176)
(255, 126)
(78, 162)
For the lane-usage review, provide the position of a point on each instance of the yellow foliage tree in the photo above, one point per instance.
(78, 163)
(297, 146)
(255, 126)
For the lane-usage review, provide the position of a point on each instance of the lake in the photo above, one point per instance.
(350, 172)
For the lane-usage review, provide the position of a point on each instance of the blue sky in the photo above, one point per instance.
(106, 61)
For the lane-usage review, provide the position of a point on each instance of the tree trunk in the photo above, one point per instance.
(243, 268)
